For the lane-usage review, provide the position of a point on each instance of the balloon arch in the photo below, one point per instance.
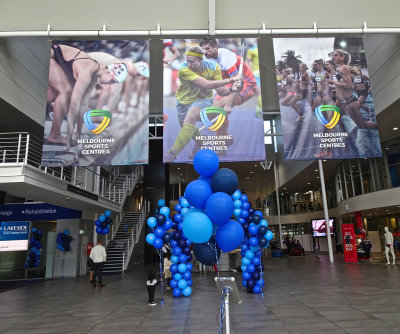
(203, 221)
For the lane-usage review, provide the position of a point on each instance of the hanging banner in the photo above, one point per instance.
(327, 110)
(97, 104)
(212, 100)
(349, 243)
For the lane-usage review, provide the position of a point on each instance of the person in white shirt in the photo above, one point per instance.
(99, 257)
(167, 272)
(389, 245)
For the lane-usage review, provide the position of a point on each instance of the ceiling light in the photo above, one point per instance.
(308, 183)
(386, 148)
(251, 172)
(343, 44)
(315, 170)
(394, 129)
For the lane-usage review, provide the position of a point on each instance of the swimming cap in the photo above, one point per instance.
(142, 68)
(119, 71)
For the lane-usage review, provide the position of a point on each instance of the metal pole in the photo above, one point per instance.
(325, 203)
(227, 320)
(277, 203)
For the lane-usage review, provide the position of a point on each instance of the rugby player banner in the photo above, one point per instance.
(212, 100)
(325, 99)
(97, 104)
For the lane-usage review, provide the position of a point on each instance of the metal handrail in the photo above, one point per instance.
(22, 148)
(133, 239)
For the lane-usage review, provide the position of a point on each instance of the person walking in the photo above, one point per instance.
(316, 248)
(99, 257)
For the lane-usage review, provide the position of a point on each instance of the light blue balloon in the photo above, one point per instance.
(182, 284)
(263, 222)
(249, 254)
(107, 213)
(150, 238)
(174, 259)
(152, 222)
(237, 204)
(177, 277)
(237, 212)
(245, 261)
(269, 235)
(161, 202)
(187, 291)
(243, 267)
(165, 211)
(66, 232)
(190, 211)
(237, 195)
(197, 228)
(184, 203)
(182, 268)
(184, 211)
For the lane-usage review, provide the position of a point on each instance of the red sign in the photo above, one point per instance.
(89, 248)
(349, 243)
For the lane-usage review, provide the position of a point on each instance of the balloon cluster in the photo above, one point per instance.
(164, 231)
(103, 223)
(64, 241)
(33, 259)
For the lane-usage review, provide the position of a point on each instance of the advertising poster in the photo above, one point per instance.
(349, 243)
(14, 236)
(325, 99)
(212, 100)
(97, 104)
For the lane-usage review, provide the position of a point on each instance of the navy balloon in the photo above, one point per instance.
(207, 253)
(224, 180)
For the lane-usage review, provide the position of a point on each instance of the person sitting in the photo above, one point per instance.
(299, 247)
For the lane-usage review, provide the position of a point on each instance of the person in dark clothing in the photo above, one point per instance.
(151, 287)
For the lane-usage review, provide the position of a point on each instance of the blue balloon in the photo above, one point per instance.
(245, 205)
(219, 208)
(182, 284)
(173, 284)
(187, 275)
(244, 213)
(99, 230)
(173, 243)
(253, 229)
(158, 243)
(253, 241)
(159, 232)
(187, 291)
(182, 268)
(224, 180)
(249, 254)
(176, 292)
(66, 232)
(177, 207)
(205, 179)
(167, 225)
(176, 251)
(260, 282)
(246, 275)
(178, 218)
(198, 228)
(182, 258)
(244, 247)
(250, 268)
(152, 222)
(197, 192)
(174, 259)
(237, 195)
(180, 227)
(150, 238)
(184, 202)
(102, 218)
(97, 223)
(190, 282)
(206, 162)
(107, 213)
(161, 202)
(269, 235)
(244, 283)
(244, 198)
(256, 289)
(256, 261)
(177, 276)
(173, 268)
(229, 236)
(189, 266)
(165, 211)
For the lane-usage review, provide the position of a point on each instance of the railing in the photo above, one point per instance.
(133, 239)
(21, 148)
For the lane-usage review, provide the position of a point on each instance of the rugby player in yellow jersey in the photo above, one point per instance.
(198, 77)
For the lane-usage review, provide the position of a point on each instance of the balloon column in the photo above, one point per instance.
(103, 223)
(165, 231)
(33, 259)
(257, 238)
(64, 241)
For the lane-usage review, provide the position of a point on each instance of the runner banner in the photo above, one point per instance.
(349, 243)
(97, 104)
(326, 104)
(212, 100)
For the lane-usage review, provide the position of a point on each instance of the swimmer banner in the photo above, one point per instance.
(212, 100)
(325, 99)
(97, 104)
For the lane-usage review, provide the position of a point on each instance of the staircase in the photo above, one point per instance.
(120, 248)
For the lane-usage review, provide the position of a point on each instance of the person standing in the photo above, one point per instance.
(99, 257)
(151, 287)
(316, 248)
(167, 272)
(389, 245)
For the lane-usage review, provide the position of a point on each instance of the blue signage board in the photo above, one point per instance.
(36, 211)
(14, 236)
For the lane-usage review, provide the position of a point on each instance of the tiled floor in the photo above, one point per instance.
(301, 296)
